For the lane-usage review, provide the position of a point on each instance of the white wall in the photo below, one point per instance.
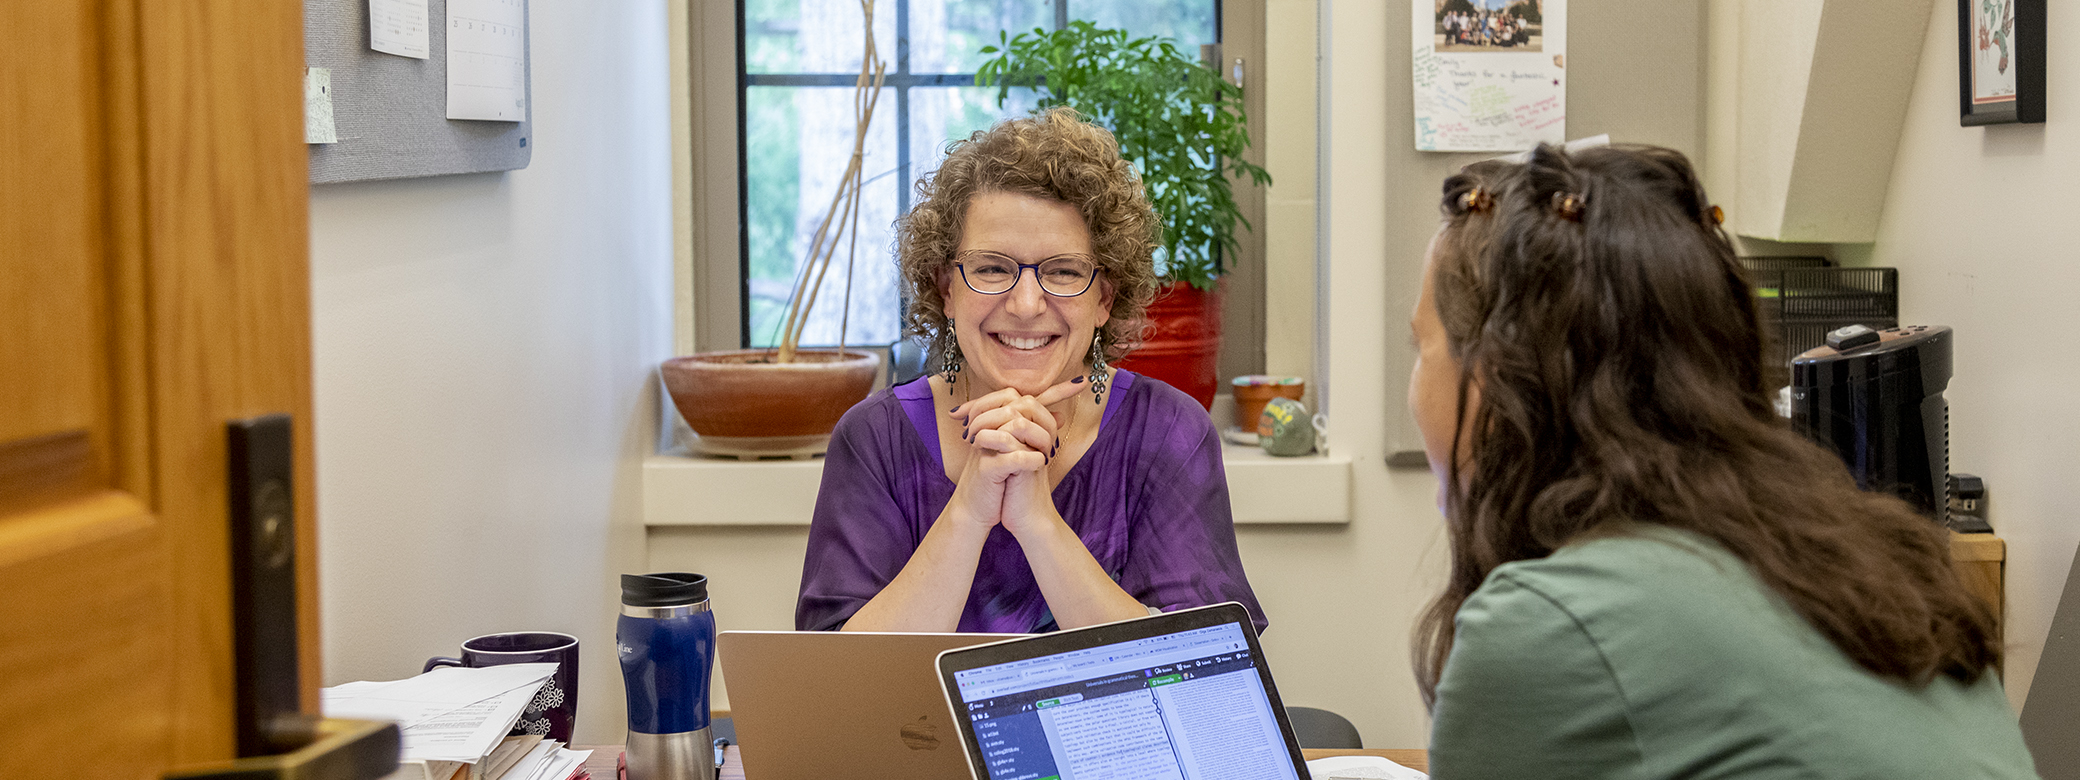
(484, 349)
(1976, 220)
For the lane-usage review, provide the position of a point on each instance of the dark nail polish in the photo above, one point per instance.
(1076, 381)
(953, 410)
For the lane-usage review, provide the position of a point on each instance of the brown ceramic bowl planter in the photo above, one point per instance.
(744, 405)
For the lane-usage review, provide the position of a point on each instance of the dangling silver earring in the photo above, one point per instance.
(1098, 372)
(950, 359)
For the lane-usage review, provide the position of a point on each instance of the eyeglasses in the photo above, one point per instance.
(1062, 276)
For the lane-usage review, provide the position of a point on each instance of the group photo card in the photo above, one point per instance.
(1490, 75)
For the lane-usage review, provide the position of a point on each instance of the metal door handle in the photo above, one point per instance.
(276, 740)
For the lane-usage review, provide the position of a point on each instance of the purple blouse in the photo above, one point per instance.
(1149, 500)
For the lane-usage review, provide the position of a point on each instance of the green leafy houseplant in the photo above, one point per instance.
(1176, 120)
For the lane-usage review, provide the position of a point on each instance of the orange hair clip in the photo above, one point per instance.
(1568, 205)
(1717, 216)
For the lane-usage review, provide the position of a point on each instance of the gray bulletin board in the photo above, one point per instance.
(391, 112)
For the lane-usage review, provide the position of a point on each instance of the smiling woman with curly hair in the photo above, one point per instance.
(1027, 485)
(1053, 156)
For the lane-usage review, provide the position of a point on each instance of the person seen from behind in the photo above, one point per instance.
(1652, 575)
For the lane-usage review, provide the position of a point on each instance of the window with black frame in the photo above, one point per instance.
(798, 63)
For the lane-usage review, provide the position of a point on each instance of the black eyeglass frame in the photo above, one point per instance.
(1096, 269)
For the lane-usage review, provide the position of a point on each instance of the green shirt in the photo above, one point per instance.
(1660, 655)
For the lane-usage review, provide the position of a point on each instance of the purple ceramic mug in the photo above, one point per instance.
(554, 711)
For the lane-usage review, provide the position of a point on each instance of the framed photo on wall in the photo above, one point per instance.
(2000, 61)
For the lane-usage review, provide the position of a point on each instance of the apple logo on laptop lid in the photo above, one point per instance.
(921, 735)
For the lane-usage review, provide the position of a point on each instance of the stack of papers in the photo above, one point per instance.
(455, 721)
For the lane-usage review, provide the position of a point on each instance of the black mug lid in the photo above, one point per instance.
(663, 589)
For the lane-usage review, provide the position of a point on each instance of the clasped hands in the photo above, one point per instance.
(1012, 438)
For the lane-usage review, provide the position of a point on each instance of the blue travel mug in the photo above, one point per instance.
(666, 640)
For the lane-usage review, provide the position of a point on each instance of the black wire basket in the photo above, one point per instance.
(1803, 298)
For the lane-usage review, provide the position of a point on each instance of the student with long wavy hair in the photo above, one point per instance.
(1652, 574)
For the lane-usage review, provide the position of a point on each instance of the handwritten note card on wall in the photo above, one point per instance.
(1490, 75)
(487, 59)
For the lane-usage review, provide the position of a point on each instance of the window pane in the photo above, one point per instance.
(1189, 22)
(941, 115)
(798, 141)
(947, 36)
(813, 36)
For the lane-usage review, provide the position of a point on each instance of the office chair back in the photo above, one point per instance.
(1323, 730)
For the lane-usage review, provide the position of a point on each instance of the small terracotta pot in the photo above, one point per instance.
(743, 405)
(1250, 399)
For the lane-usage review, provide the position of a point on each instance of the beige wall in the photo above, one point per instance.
(483, 349)
(1975, 219)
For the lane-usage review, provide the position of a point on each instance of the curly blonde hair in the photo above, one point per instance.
(1054, 155)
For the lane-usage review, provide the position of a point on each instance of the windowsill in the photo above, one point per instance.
(682, 490)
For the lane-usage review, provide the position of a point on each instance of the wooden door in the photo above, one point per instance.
(153, 285)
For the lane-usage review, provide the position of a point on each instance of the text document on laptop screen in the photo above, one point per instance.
(1182, 706)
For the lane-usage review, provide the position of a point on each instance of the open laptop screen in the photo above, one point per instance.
(1183, 696)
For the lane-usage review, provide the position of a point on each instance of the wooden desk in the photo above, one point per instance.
(1981, 560)
(601, 764)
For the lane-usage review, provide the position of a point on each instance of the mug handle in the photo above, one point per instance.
(431, 663)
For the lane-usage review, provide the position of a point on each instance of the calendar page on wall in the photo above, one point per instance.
(1490, 75)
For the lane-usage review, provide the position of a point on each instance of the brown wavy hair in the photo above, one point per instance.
(1054, 155)
(1619, 363)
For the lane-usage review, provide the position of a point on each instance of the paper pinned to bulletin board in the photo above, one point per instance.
(1490, 75)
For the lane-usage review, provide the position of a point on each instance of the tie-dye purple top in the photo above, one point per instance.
(1150, 501)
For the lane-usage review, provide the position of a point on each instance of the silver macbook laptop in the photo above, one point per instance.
(817, 705)
(1178, 696)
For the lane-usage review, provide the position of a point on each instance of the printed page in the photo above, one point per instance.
(470, 733)
(413, 700)
(509, 752)
(487, 60)
(398, 27)
(1118, 737)
(530, 765)
(562, 764)
(448, 714)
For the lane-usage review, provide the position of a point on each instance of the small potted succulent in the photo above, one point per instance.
(1184, 129)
